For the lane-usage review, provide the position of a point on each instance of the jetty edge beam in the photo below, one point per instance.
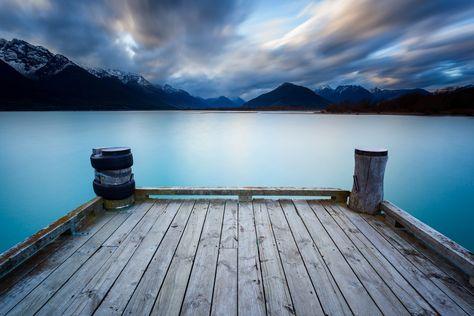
(71, 222)
(450, 250)
(245, 193)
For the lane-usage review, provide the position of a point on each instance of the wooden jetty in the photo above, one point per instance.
(237, 251)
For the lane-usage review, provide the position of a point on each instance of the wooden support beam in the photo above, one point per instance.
(244, 193)
(72, 221)
(445, 247)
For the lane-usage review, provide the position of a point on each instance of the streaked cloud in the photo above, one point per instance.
(245, 47)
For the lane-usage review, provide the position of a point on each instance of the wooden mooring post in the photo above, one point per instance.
(367, 189)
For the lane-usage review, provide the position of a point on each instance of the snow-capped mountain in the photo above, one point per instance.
(347, 93)
(123, 76)
(31, 61)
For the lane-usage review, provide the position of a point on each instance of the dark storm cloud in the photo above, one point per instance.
(199, 45)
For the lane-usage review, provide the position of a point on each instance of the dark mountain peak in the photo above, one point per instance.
(23, 56)
(238, 100)
(55, 65)
(286, 97)
(124, 76)
(287, 85)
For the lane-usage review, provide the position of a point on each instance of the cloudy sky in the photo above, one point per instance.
(245, 47)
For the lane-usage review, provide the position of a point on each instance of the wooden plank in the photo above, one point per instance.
(354, 292)
(430, 292)
(383, 296)
(198, 298)
(15, 289)
(46, 289)
(414, 303)
(224, 301)
(449, 249)
(123, 288)
(336, 194)
(443, 264)
(36, 268)
(331, 298)
(59, 302)
(229, 226)
(302, 291)
(142, 300)
(172, 291)
(251, 300)
(94, 292)
(24, 250)
(277, 294)
(137, 213)
(447, 284)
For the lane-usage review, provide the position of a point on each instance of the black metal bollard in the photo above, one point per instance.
(113, 176)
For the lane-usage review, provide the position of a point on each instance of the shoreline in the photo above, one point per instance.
(256, 111)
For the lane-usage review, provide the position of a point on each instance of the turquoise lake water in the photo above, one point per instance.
(45, 169)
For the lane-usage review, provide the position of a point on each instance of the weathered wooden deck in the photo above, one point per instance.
(228, 257)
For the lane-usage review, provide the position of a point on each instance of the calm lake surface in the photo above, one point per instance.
(45, 169)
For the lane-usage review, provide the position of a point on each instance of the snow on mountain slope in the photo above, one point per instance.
(24, 57)
(123, 76)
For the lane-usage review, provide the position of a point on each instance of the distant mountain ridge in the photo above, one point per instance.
(37, 79)
(33, 78)
(288, 96)
(356, 94)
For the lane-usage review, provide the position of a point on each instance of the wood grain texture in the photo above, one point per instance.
(198, 297)
(174, 286)
(302, 291)
(329, 294)
(224, 300)
(430, 292)
(229, 257)
(449, 249)
(277, 294)
(251, 300)
(142, 300)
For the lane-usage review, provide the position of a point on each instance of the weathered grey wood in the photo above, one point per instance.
(448, 285)
(331, 298)
(24, 250)
(59, 302)
(431, 293)
(439, 261)
(251, 300)
(122, 290)
(172, 291)
(198, 297)
(94, 292)
(354, 292)
(46, 289)
(277, 294)
(142, 300)
(367, 190)
(16, 289)
(126, 260)
(136, 214)
(302, 291)
(414, 303)
(449, 249)
(247, 192)
(224, 300)
(383, 296)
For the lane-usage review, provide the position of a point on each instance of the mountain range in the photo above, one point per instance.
(356, 94)
(33, 78)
